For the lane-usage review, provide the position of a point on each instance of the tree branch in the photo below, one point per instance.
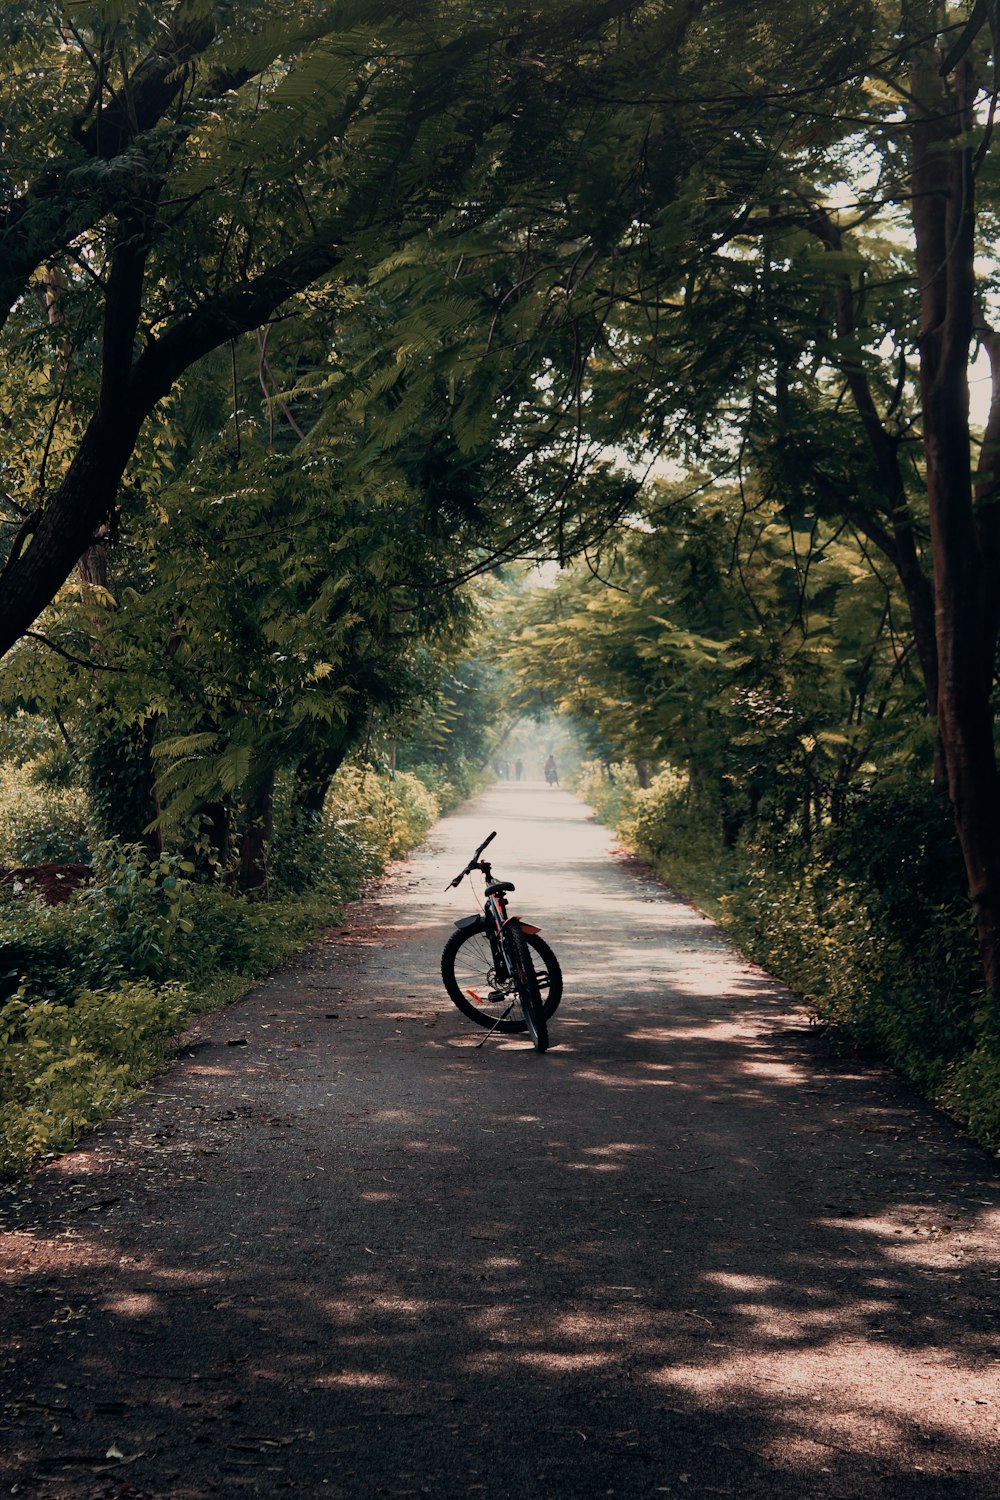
(78, 661)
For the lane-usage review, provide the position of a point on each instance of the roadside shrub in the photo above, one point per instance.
(126, 925)
(45, 951)
(62, 1070)
(611, 791)
(871, 927)
(416, 811)
(905, 992)
(310, 854)
(383, 816)
(40, 820)
(971, 1088)
(93, 990)
(865, 924)
(359, 807)
(229, 935)
(672, 832)
(662, 825)
(454, 784)
(138, 909)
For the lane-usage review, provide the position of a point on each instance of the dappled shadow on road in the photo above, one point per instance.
(688, 1308)
(347, 1252)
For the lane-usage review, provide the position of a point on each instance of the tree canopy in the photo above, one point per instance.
(313, 314)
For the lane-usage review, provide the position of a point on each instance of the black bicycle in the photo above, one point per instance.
(494, 962)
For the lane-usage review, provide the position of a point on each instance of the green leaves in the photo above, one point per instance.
(721, 642)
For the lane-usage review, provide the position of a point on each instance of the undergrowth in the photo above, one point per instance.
(94, 992)
(865, 924)
(40, 820)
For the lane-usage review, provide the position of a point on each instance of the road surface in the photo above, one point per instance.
(338, 1250)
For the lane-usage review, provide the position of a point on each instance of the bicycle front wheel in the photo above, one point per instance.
(480, 986)
(522, 970)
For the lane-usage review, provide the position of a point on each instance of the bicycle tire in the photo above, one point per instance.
(467, 964)
(523, 970)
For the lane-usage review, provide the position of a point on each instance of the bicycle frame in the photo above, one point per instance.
(512, 975)
(495, 914)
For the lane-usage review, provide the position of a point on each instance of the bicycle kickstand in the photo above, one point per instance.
(499, 1021)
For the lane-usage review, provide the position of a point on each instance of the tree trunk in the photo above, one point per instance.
(732, 813)
(120, 779)
(93, 565)
(943, 216)
(893, 531)
(255, 837)
(215, 828)
(314, 774)
(316, 770)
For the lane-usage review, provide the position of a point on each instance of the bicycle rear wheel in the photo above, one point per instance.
(522, 969)
(469, 969)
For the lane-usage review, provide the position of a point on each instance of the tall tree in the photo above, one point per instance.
(816, 341)
(964, 515)
(191, 169)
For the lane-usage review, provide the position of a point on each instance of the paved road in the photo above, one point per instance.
(337, 1250)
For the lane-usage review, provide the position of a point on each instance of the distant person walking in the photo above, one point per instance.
(518, 768)
(551, 771)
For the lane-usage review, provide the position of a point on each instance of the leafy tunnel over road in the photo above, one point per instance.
(683, 1253)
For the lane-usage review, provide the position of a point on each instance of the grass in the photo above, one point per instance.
(99, 988)
(869, 925)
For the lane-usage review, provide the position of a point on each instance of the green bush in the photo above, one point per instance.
(92, 991)
(611, 791)
(670, 830)
(382, 815)
(230, 935)
(453, 784)
(308, 853)
(971, 1087)
(662, 825)
(130, 923)
(868, 926)
(137, 912)
(865, 924)
(40, 821)
(416, 812)
(63, 1069)
(119, 775)
(46, 951)
(909, 997)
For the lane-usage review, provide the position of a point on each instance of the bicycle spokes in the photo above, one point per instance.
(498, 970)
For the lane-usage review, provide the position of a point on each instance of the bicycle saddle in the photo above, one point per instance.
(496, 886)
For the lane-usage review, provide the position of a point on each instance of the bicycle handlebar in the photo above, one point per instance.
(473, 862)
(487, 840)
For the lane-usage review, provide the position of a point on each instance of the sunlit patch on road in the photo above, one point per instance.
(700, 1258)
